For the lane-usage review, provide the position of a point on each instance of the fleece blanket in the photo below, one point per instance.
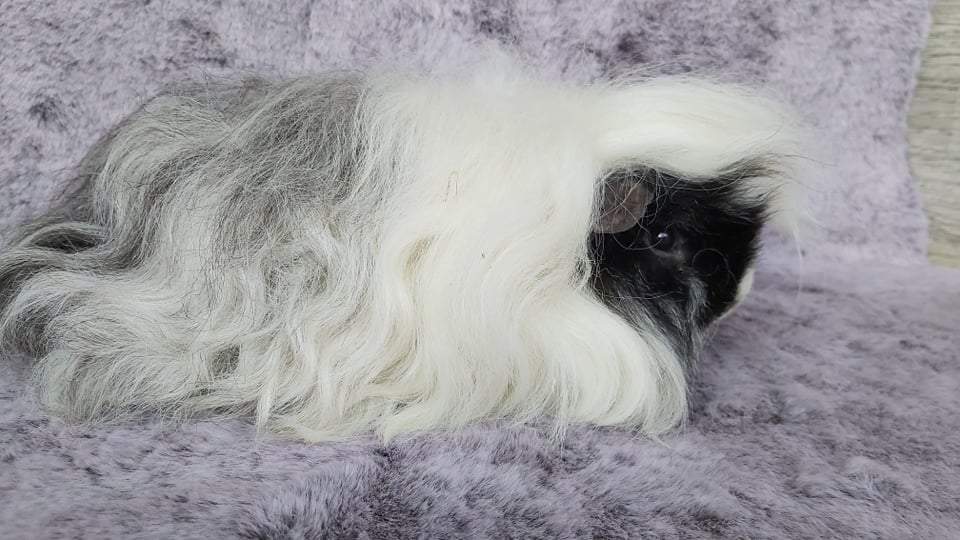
(825, 407)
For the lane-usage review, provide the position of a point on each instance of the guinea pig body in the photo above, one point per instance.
(393, 252)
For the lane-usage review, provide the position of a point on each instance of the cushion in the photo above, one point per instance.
(824, 407)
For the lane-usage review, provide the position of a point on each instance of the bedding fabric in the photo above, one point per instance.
(825, 407)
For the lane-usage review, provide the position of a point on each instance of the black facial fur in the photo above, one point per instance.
(683, 260)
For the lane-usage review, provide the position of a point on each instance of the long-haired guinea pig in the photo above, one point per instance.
(396, 252)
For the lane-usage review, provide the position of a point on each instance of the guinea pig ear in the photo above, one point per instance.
(624, 198)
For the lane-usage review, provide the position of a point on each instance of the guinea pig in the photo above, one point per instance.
(396, 252)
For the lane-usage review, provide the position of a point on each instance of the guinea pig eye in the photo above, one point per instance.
(662, 240)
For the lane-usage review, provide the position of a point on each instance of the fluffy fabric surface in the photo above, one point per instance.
(826, 407)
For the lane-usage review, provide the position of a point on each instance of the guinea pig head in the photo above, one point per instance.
(676, 250)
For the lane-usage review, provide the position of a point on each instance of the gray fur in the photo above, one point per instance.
(191, 143)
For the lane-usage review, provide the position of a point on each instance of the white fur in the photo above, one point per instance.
(447, 285)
